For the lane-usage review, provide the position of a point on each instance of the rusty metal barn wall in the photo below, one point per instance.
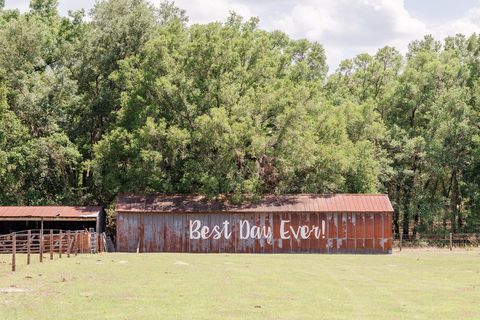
(170, 232)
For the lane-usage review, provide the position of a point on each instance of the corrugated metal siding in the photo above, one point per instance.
(345, 232)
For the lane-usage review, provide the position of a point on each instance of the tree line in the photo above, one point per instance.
(132, 98)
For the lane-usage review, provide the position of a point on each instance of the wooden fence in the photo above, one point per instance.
(50, 242)
(449, 240)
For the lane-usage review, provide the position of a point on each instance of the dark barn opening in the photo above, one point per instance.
(9, 226)
(16, 218)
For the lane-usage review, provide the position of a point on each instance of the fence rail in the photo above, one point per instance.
(450, 240)
(51, 241)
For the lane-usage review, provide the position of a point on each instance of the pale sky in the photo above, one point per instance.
(344, 27)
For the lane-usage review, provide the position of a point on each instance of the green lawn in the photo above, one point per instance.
(408, 285)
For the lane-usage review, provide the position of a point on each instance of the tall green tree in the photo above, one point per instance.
(134, 99)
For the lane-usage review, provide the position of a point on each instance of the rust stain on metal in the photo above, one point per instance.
(276, 224)
(270, 203)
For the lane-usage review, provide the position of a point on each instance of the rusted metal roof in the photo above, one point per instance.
(55, 212)
(269, 203)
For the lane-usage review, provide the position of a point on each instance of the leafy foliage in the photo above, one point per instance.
(136, 100)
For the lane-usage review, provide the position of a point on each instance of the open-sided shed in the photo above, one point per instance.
(338, 223)
(18, 218)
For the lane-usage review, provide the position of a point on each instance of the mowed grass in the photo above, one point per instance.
(408, 285)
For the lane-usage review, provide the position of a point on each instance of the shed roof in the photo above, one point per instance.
(268, 203)
(49, 212)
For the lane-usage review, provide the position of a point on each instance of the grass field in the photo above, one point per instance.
(408, 285)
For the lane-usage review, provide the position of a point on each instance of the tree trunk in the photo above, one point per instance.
(405, 224)
(406, 212)
(416, 220)
(454, 201)
(396, 224)
(460, 220)
(396, 214)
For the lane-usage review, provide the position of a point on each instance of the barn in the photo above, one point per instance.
(18, 218)
(305, 223)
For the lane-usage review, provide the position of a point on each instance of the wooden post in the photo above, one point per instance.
(451, 241)
(51, 244)
(60, 236)
(81, 241)
(104, 242)
(401, 240)
(29, 239)
(41, 240)
(76, 243)
(69, 243)
(14, 249)
(99, 246)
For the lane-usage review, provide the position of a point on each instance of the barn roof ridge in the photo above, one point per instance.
(50, 211)
(49, 206)
(336, 202)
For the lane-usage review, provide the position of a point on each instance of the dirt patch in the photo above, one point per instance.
(87, 294)
(14, 290)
